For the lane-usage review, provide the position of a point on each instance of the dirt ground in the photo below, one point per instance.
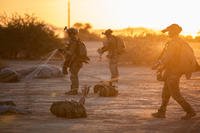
(130, 112)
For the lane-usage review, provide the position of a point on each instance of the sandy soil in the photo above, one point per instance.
(130, 112)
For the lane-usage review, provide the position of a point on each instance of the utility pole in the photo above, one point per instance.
(68, 14)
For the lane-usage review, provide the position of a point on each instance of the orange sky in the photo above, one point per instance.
(154, 14)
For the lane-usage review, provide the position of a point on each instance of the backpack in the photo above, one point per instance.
(82, 52)
(187, 60)
(120, 45)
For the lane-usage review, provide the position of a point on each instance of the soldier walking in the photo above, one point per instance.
(171, 68)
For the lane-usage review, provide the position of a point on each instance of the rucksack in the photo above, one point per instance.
(120, 45)
(82, 52)
(187, 60)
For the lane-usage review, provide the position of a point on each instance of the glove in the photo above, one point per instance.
(61, 51)
(100, 51)
(65, 70)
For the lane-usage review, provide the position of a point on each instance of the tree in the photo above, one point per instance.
(78, 25)
(87, 26)
(25, 36)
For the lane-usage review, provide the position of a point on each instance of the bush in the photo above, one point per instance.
(142, 50)
(85, 32)
(26, 37)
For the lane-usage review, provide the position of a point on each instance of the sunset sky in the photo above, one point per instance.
(115, 14)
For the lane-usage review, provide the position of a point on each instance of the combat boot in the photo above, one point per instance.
(188, 116)
(114, 84)
(65, 70)
(159, 114)
(72, 92)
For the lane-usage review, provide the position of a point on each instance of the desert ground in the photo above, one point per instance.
(129, 112)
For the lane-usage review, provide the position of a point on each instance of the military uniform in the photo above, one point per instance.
(172, 76)
(75, 66)
(73, 60)
(111, 47)
(169, 63)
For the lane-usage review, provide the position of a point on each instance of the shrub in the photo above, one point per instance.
(26, 37)
(142, 50)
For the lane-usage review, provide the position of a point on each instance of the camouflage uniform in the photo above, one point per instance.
(72, 61)
(172, 76)
(111, 47)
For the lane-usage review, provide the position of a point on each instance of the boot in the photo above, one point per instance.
(72, 92)
(65, 71)
(114, 84)
(159, 114)
(188, 116)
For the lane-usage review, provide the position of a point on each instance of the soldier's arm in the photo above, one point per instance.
(158, 61)
(105, 48)
(72, 49)
(102, 49)
(168, 54)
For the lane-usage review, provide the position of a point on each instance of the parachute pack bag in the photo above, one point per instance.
(71, 109)
(82, 52)
(8, 75)
(105, 90)
(120, 45)
(68, 109)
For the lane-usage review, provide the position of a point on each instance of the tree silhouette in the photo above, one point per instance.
(25, 37)
(78, 25)
(87, 26)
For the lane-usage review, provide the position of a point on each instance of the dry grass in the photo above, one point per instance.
(144, 50)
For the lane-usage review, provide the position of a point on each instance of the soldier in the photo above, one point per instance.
(169, 63)
(113, 45)
(75, 55)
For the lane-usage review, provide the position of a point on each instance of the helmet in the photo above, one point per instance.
(108, 32)
(71, 31)
(173, 28)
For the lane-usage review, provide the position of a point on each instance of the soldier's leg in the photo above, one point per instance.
(165, 98)
(74, 70)
(65, 66)
(113, 66)
(173, 85)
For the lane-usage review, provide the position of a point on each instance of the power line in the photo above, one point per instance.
(69, 13)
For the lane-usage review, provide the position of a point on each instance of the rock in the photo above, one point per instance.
(68, 109)
(49, 71)
(8, 75)
(25, 72)
(42, 71)
(105, 90)
(9, 108)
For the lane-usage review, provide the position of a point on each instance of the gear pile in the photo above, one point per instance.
(68, 109)
(105, 90)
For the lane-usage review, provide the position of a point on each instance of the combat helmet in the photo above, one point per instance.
(71, 31)
(107, 32)
(175, 28)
